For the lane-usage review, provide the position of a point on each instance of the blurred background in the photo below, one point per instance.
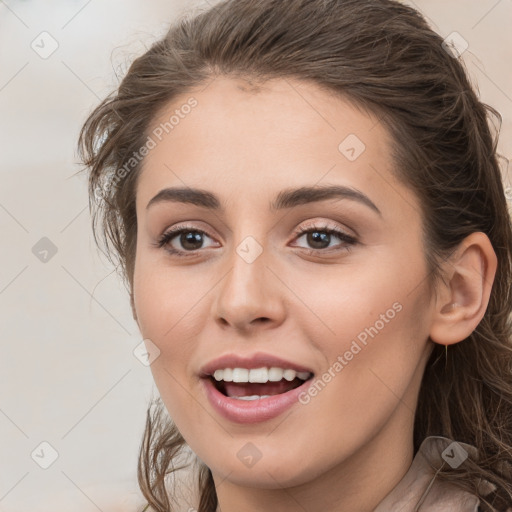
(73, 394)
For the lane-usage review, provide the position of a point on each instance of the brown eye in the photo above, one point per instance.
(320, 237)
(188, 239)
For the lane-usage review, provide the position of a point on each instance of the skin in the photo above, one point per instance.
(352, 443)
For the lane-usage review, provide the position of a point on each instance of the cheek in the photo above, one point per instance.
(373, 332)
(366, 302)
(167, 300)
(169, 312)
(172, 321)
(373, 360)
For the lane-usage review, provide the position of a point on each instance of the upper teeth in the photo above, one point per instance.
(261, 375)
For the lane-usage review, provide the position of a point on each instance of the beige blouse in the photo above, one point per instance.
(421, 491)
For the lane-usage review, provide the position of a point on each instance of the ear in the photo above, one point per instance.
(463, 297)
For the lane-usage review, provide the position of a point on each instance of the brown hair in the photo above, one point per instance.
(382, 56)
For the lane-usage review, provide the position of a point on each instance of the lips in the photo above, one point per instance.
(255, 411)
(257, 360)
(247, 393)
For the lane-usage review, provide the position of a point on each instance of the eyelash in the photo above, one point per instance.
(168, 236)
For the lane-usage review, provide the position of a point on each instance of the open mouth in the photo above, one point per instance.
(256, 390)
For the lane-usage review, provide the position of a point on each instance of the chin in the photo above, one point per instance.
(269, 472)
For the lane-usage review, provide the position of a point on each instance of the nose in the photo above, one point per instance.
(249, 296)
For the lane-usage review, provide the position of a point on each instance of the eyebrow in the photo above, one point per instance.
(288, 198)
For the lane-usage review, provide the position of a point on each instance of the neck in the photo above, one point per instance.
(359, 483)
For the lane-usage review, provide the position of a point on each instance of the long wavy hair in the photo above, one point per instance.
(382, 56)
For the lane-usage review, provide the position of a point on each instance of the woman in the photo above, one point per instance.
(307, 207)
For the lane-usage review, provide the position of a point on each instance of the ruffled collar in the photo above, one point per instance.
(421, 491)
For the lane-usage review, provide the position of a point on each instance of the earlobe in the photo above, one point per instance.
(463, 297)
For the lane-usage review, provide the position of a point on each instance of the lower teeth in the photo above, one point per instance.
(252, 397)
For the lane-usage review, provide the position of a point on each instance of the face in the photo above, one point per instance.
(332, 285)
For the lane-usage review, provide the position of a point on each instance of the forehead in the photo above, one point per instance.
(240, 136)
